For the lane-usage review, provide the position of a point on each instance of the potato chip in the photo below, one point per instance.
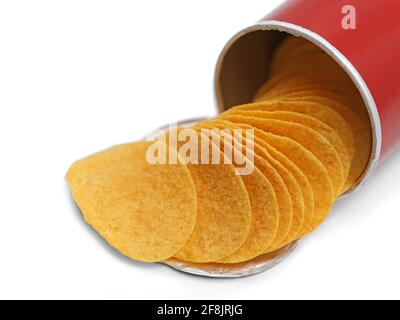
(307, 65)
(312, 168)
(224, 213)
(280, 184)
(265, 213)
(282, 195)
(327, 132)
(296, 221)
(325, 76)
(282, 84)
(288, 53)
(298, 211)
(362, 134)
(147, 212)
(311, 108)
(303, 206)
(293, 187)
(303, 60)
(306, 62)
(309, 138)
(334, 88)
(306, 190)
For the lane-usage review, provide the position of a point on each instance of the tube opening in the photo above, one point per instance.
(244, 66)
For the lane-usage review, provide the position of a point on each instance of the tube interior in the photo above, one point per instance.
(244, 67)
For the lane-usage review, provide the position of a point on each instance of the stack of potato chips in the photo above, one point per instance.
(310, 142)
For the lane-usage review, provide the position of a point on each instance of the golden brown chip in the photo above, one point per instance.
(306, 190)
(362, 133)
(283, 197)
(335, 89)
(283, 84)
(327, 132)
(303, 66)
(282, 194)
(265, 211)
(298, 211)
(312, 168)
(290, 226)
(145, 211)
(289, 53)
(224, 213)
(301, 191)
(307, 137)
(311, 108)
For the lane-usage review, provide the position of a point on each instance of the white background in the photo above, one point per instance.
(79, 76)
